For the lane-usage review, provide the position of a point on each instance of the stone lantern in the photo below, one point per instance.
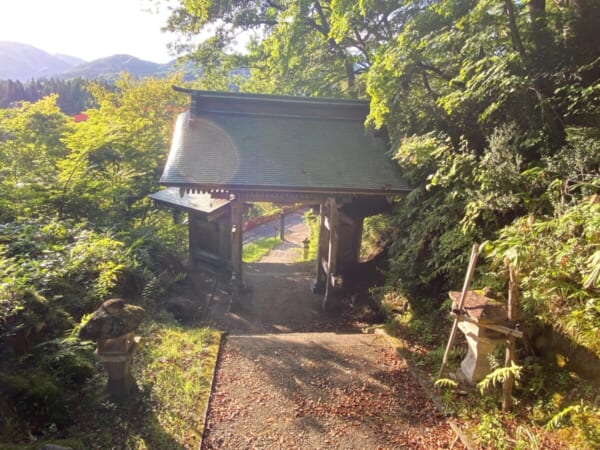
(113, 326)
(477, 320)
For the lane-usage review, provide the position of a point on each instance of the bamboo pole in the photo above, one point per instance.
(461, 301)
(513, 299)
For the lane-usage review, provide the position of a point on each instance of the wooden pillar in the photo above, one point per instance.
(358, 237)
(224, 223)
(321, 276)
(331, 269)
(513, 299)
(191, 242)
(237, 225)
(282, 226)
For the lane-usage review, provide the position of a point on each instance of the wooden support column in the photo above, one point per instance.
(321, 276)
(191, 242)
(513, 299)
(225, 238)
(332, 258)
(358, 238)
(237, 225)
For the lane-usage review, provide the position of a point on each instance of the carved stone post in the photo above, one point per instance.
(112, 326)
(480, 312)
(116, 355)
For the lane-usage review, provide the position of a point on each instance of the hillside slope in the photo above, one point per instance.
(24, 62)
(111, 66)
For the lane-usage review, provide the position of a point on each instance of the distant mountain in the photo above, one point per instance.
(72, 60)
(111, 66)
(24, 62)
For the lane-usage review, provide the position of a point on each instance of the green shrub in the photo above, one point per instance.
(558, 260)
(37, 397)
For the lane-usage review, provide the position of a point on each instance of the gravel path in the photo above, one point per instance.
(319, 391)
(282, 382)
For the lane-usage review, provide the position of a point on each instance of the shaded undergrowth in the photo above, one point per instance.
(173, 369)
(554, 407)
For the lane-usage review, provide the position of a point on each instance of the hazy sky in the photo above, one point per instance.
(88, 29)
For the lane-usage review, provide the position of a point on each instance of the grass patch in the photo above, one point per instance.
(253, 251)
(312, 221)
(258, 209)
(177, 366)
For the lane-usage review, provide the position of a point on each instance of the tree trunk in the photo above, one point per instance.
(583, 38)
(542, 61)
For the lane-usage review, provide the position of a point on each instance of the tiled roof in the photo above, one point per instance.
(295, 144)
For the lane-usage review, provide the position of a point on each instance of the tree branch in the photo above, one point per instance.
(440, 73)
(432, 94)
(274, 5)
(363, 46)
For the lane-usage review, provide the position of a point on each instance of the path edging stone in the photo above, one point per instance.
(212, 386)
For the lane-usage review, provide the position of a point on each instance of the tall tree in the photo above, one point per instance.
(30, 151)
(303, 47)
(117, 154)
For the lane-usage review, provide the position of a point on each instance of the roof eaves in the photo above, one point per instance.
(221, 188)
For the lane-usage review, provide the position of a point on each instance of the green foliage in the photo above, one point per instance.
(157, 287)
(557, 259)
(177, 365)
(430, 249)
(69, 265)
(115, 156)
(445, 383)
(69, 359)
(254, 251)
(75, 228)
(499, 376)
(376, 235)
(36, 396)
(562, 417)
(260, 209)
(526, 439)
(30, 150)
(312, 221)
(73, 96)
(491, 429)
(302, 48)
(584, 418)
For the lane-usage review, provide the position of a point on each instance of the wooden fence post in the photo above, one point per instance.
(513, 300)
(463, 294)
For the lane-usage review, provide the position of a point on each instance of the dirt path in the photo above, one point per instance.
(284, 383)
(319, 390)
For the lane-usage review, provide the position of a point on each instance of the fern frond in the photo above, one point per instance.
(493, 361)
(445, 383)
(153, 290)
(499, 376)
(563, 417)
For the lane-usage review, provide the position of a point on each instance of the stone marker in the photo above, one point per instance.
(112, 326)
(480, 340)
